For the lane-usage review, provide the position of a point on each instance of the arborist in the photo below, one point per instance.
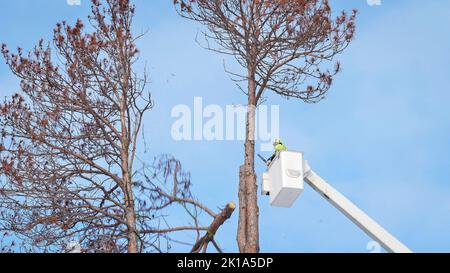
(278, 146)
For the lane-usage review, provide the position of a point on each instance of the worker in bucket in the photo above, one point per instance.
(278, 146)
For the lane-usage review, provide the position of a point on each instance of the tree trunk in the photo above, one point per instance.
(242, 222)
(132, 233)
(130, 213)
(248, 226)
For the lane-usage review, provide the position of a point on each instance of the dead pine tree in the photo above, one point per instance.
(68, 146)
(284, 46)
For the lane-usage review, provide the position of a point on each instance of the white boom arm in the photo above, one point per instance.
(357, 216)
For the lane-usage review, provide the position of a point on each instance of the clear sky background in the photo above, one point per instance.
(381, 137)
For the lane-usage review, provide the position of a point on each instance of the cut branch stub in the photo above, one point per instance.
(219, 220)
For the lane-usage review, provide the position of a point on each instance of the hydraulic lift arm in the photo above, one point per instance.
(356, 215)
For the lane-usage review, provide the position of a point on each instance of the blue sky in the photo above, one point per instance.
(381, 137)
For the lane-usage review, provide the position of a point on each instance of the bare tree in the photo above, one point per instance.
(68, 145)
(284, 46)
